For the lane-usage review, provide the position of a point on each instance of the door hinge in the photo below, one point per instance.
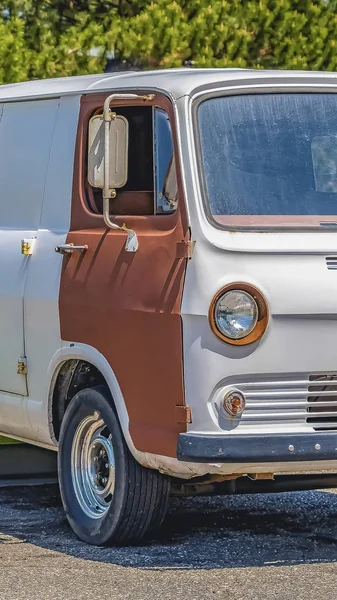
(185, 249)
(22, 366)
(183, 414)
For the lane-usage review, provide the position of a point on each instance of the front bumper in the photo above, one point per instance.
(260, 448)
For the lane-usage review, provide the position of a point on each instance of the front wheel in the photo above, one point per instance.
(108, 497)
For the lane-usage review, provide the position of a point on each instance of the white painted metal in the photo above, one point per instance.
(176, 82)
(28, 418)
(25, 143)
(290, 270)
(42, 326)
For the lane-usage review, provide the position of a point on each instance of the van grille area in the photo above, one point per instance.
(322, 402)
(331, 263)
(310, 401)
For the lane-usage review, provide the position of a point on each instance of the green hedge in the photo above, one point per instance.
(44, 39)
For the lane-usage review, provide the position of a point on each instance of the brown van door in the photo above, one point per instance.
(127, 305)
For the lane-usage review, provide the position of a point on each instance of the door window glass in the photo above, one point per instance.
(166, 190)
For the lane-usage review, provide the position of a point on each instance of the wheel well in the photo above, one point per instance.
(73, 376)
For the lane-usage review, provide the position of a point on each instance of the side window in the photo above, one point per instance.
(136, 197)
(165, 179)
(151, 187)
(26, 135)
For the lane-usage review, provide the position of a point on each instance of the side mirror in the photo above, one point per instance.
(118, 151)
(108, 158)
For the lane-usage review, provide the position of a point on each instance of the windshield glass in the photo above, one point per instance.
(270, 159)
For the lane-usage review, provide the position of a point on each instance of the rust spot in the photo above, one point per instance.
(183, 414)
(185, 249)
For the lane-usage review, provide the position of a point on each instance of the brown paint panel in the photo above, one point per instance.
(127, 305)
(141, 203)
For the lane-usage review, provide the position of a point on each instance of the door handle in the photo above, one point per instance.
(70, 248)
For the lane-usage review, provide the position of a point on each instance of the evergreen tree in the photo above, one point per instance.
(69, 37)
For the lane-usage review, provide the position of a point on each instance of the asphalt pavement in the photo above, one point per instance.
(267, 546)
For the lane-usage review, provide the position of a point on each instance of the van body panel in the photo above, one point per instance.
(127, 306)
(39, 274)
(25, 144)
(176, 82)
(290, 350)
(276, 374)
(13, 272)
(42, 322)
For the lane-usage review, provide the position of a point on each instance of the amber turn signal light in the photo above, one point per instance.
(234, 403)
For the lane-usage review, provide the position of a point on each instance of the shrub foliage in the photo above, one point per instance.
(70, 37)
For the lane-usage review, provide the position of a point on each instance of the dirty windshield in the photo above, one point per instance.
(270, 159)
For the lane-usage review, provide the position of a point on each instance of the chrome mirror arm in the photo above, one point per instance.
(131, 244)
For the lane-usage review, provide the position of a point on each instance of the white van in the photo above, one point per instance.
(168, 300)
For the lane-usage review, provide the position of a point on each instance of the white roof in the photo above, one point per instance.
(177, 82)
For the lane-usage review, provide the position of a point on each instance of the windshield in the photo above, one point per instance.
(270, 159)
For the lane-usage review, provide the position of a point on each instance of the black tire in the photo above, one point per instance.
(139, 501)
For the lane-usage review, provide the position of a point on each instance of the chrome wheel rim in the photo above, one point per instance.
(93, 466)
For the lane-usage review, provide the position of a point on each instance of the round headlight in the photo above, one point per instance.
(236, 314)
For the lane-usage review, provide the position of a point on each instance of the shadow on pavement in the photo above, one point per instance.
(200, 533)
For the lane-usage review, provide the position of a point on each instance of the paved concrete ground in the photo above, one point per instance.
(269, 547)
